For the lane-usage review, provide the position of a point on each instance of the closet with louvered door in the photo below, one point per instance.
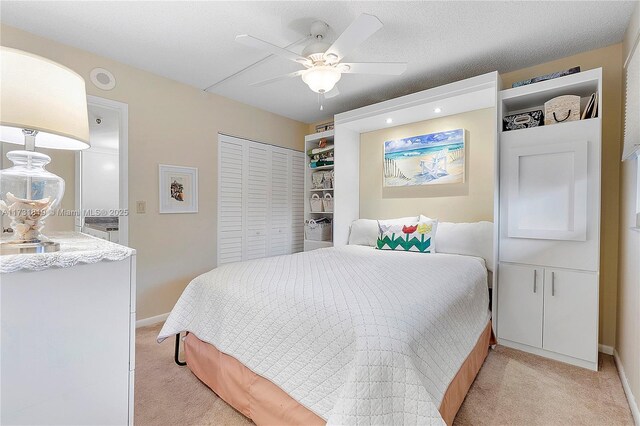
(260, 200)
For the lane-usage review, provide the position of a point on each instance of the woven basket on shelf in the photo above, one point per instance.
(327, 203)
(328, 179)
(317, 180)
(317, 231)
(316, 203)
(561, 109)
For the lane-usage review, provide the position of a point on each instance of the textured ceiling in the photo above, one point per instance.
(193, 42)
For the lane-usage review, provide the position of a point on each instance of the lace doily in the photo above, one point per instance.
(75, 248)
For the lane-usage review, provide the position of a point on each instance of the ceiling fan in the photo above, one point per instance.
(321, 60)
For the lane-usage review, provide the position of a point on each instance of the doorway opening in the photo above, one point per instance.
(101, 190)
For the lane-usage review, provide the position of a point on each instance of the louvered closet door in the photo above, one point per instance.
(280, 232)
(230, 202)
(260, 200)
(297, 201)
(257, 171)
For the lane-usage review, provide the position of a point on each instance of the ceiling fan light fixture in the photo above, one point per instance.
(321, 79)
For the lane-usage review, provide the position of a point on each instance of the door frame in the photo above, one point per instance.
(123, 167)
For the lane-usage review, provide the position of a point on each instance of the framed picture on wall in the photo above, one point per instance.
(431, 159)
(178, 189)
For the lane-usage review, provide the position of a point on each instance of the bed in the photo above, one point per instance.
(340, 335)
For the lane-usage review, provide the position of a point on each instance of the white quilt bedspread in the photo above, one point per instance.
(354, 334)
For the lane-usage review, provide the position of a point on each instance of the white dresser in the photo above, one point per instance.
(549, 241)
(68, 334)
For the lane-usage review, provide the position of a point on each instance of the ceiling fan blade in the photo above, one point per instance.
(359, 30)
(386, 68)
(256, 43)
(332, 93)
(273, 80)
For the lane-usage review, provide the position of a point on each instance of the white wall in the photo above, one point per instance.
(100, 179)
(169, 123)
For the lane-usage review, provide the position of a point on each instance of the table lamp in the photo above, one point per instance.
(42, 105)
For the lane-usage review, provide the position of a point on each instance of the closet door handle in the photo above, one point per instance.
(553, 283)
(535, 276)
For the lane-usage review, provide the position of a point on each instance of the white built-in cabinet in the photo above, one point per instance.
(260, 200)
(549, 232)
(549, 308)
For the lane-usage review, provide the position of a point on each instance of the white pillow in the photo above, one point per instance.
(364, 232)
(470, 239)
(400, 220)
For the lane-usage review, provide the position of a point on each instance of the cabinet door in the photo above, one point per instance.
(543, 175)
(256, 225)
(298, 161)
(280, 203)
(571, 313)
(520, 298)
(543, 220)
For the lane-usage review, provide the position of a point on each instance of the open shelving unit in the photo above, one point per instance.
(533, 96)
(310, 142)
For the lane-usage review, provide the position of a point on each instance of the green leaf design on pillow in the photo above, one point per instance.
(405, 244)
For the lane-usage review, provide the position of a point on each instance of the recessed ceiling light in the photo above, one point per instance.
(389, 120)
(437, 110)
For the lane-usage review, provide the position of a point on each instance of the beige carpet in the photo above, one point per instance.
(513, 388)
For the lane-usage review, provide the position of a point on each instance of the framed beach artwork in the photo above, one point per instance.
(431, 159)
(178, 189)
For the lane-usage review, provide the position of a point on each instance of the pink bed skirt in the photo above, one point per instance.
(267, 404)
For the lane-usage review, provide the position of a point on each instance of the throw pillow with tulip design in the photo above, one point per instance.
(417, 236)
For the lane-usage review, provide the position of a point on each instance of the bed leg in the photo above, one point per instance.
(177, 353)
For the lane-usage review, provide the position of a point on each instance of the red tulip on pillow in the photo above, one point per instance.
(409, 230)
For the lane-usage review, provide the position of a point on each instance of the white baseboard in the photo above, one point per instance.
(605, 349)
(593, 366)
(627, 390)
(151, 320)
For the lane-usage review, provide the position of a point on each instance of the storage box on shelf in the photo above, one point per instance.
(319, 187)
(549, 236)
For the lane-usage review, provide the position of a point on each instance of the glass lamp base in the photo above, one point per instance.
(15, 247)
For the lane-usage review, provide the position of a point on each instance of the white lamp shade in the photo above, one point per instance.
(321, 79)
(39, 94)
